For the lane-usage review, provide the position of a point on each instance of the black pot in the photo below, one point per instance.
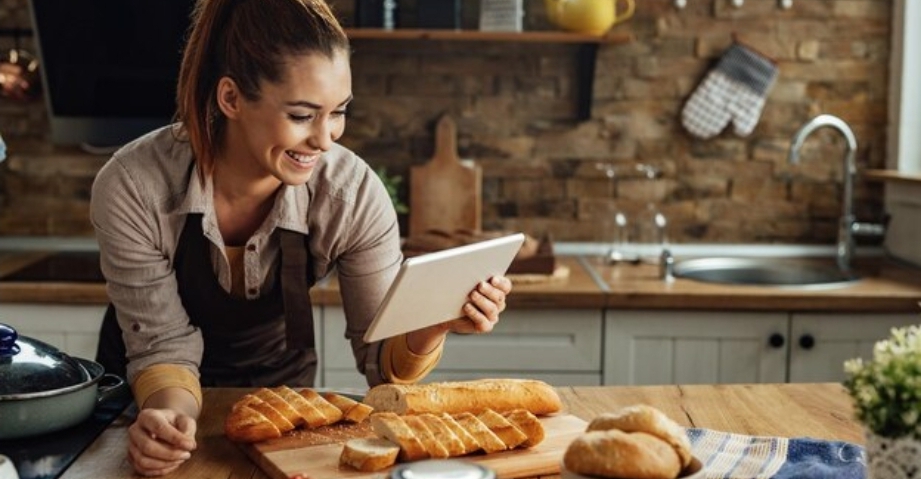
(42, 389)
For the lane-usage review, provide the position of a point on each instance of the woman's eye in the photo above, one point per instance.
(300, 118)
(339, 114)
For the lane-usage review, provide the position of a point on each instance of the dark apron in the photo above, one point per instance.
(268, 341)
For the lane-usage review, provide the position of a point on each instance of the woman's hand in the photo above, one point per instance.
(484, 306)
(160, 440)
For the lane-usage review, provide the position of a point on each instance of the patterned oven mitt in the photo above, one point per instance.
(733, 91)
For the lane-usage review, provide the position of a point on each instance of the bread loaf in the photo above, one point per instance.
(622, 455)
(268, 413)
(500, 395)
(650, 420)
(352, 410)
(636, 442)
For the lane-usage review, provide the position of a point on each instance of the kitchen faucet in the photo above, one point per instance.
(847, 225)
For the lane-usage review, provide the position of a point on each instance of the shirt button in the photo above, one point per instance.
(135, 327)
(253, 291)
(250, 247)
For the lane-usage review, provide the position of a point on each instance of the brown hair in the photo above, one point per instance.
(246, 40)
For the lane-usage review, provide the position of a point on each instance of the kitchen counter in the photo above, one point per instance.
(817, 410)
(591, 284)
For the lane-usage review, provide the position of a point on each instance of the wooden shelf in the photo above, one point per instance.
(476, 35)
(891, 175)
(588, 48)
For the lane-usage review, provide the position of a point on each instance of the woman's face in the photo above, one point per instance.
(283, 133)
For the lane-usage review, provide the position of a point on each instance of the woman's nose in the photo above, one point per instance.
(321, 136)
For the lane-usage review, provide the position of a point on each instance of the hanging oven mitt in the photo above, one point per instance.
(734, 90)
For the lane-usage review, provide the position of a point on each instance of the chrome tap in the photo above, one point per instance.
(847, 225)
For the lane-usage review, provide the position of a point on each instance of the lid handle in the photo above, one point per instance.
(8, 346)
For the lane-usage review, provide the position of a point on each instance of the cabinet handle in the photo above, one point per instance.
(776, 340)
(806, 341)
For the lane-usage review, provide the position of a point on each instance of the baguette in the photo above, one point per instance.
(500, 395)
(352, 410)
(432, 445)
(470, 443)
(507, 432)
(388, 425)
(529, 425)
(245, 424)
(268, 413)
(489, 442)
(444, 434)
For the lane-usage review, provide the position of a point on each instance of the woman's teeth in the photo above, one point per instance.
(299, 158)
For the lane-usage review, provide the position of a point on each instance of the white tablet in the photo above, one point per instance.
(432, 288)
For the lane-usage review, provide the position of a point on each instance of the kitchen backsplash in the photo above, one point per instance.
(545, 169)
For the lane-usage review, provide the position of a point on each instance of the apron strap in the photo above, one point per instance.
(295, 267)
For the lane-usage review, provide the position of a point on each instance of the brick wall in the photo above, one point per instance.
(545, 169)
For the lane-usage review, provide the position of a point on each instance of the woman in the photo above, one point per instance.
(212, 230)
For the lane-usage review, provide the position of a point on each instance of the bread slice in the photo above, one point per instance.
(648, 419)
(466, 396)
(390, 426)
(272, 414)
(310, 415)
(528, 424)
(245, 424)
(369, 454)
(444, 435)
(330, 412)
(507, 432)
(470, 443)
(615, 453)
(352, 410)
(281, 405)
(432, 445)
(489, 442)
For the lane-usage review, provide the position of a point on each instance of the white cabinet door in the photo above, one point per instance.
(674, 347)
(820, 343)
(561, 346)
(72, 328)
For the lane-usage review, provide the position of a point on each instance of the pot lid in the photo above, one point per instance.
(28, 365)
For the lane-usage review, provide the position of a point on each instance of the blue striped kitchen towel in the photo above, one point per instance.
(736, 456)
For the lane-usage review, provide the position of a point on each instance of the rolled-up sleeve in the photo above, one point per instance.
(130, 227)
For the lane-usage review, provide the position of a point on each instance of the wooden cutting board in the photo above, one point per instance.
(444, 193)
(315, 454)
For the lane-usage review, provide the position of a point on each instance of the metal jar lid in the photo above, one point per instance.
(30, 366)
(442, 469)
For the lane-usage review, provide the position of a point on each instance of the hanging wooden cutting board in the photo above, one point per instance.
(444, 193)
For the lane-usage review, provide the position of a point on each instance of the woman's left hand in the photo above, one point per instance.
(483, 308)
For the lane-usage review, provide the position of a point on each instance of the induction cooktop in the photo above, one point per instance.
(64, 267)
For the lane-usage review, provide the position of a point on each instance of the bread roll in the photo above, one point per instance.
(500, 395)
(643, 418)
(369, 454)
(622, 455)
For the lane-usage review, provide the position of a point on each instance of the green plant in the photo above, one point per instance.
(392, 184)
(887, 389)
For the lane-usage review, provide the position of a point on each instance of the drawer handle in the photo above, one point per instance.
(776, 340)
(806, 341)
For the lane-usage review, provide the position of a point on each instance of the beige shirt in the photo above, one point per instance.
(140, 201)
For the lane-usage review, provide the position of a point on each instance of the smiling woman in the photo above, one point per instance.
(212, 230)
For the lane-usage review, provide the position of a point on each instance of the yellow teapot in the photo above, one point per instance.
(593, 17)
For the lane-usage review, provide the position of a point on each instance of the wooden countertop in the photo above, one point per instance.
(821, 411)
(591, 284)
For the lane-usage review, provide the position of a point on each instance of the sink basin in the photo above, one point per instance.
(777, 272)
